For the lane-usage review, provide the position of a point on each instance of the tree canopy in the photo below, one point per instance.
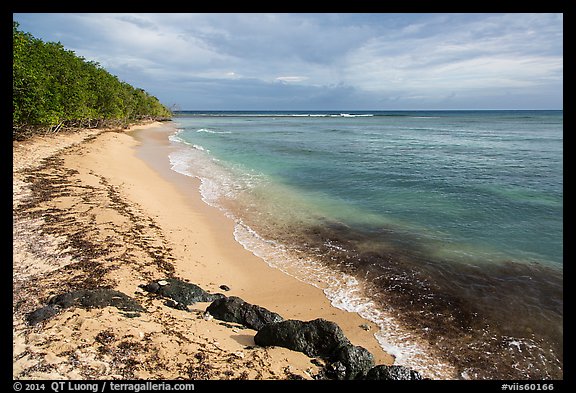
(52, 88)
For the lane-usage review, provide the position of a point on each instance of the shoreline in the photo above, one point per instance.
(255, 280)
(104, 209)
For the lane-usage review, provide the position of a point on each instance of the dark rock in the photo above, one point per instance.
(335, 370)
(86, 298)
(317, 362)
(180, 291)
(356, 360)
(42, 314)
(224, 287)
(153, 287)
(234, 309)
(315, 338)
(382, 372)
(96, 298)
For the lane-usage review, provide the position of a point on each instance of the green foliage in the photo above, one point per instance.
(52, 87)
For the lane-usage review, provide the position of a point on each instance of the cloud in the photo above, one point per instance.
(291, 79)
(376, 60)
(476, 56)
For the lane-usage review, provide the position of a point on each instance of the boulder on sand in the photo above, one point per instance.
(183, 293)
(352, 362)
(314, 338)
(86, 298)
(323, 339)
(234, 309)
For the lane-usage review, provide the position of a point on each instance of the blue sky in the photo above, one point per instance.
(323, 61)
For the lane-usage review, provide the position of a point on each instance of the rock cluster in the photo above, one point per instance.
(317, 338)
(325, 339)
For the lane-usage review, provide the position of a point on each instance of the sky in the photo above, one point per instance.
(376, 61)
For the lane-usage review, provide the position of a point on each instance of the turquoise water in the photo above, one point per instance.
(437, 215)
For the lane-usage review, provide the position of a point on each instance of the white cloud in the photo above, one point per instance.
(483, 54)
(291, 79)
(378, 58)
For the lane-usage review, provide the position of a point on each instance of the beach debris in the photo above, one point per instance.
(395, 372)
(234, 309)
(224, 287)
(183, 293)
(291, 375)
(365, 326)
(176, 305)
(86, 298)
(207, 316)
(105, 337)
(139, 291)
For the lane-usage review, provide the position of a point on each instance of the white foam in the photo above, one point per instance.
(216, 180)
(179, 162)
(209, 131)
(201, 148)
(177, 139)
(358, 115)
(190, 162)
(176, 136)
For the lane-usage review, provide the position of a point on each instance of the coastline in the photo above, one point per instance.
(248, 275)
(104, 209)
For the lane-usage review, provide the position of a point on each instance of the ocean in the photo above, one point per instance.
(445, 228)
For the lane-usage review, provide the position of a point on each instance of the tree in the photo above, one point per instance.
(53, 87)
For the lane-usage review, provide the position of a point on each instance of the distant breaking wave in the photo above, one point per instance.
(206, 130)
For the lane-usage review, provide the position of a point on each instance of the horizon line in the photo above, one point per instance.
(360, 110)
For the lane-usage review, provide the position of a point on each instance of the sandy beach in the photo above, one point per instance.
(102, 209)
